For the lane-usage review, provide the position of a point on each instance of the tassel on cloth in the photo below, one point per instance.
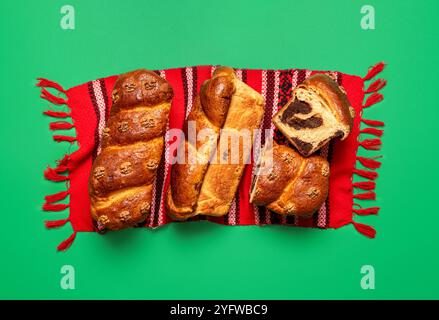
(374, 98)
(369, 162)
(45, 94)
(373, 131)
(64, 161)
(67, 243)
(57, 114)
(374, 123)
(55, 223)
(365, 196)
(60, 125)
(376, 86)
(367, 211)
(52, 98)
(364, 185)
(56, 197)
(371, 175)
(373, 71)
(52, 175)
(58, 138)
(42, 82)
(371, 144)
(55, 207)
(366, 230)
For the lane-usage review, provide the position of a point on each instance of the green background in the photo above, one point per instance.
(202, 260)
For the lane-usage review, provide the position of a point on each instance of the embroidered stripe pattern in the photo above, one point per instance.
(273, 100)
(284, 94)
(167, 166)
(189, 89)
(230, 218)
(100, 109)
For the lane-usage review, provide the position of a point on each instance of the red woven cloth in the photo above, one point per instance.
(88, 109)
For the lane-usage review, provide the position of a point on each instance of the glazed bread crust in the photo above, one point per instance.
(318, 111)
(225, 103)
(293, 184)
(122, 175)
(335, 97)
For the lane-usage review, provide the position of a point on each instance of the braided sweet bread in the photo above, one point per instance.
(122, 175)
(288, 183)
(201, 187)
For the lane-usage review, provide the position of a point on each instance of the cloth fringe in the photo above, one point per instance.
(374, 123)
(364, 229)
(57, 114)
(59, 138)
(365, 196)
(64, 165)
(365, 185)
(367, 211)
(67, 243)
(373, 131)
(371, 144)
(368, 174)
(370, 163)
(56, 196)
(376, 86)
(56, 223)
(373, 71)
(60, 125)
(55, 206)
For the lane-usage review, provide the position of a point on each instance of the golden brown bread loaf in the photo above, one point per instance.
(290, 184)
(225, 103)
(317, 112)
(122, 175)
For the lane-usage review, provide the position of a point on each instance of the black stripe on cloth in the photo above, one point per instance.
(98, 118)
(244, 75)
(301, 76)
(290, 219)
(274, 217)
(266, 124)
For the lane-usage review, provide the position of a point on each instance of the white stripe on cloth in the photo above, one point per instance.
(189, 78)
(102, 110)
(321, 217)
(167, 166)
(154, 189)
